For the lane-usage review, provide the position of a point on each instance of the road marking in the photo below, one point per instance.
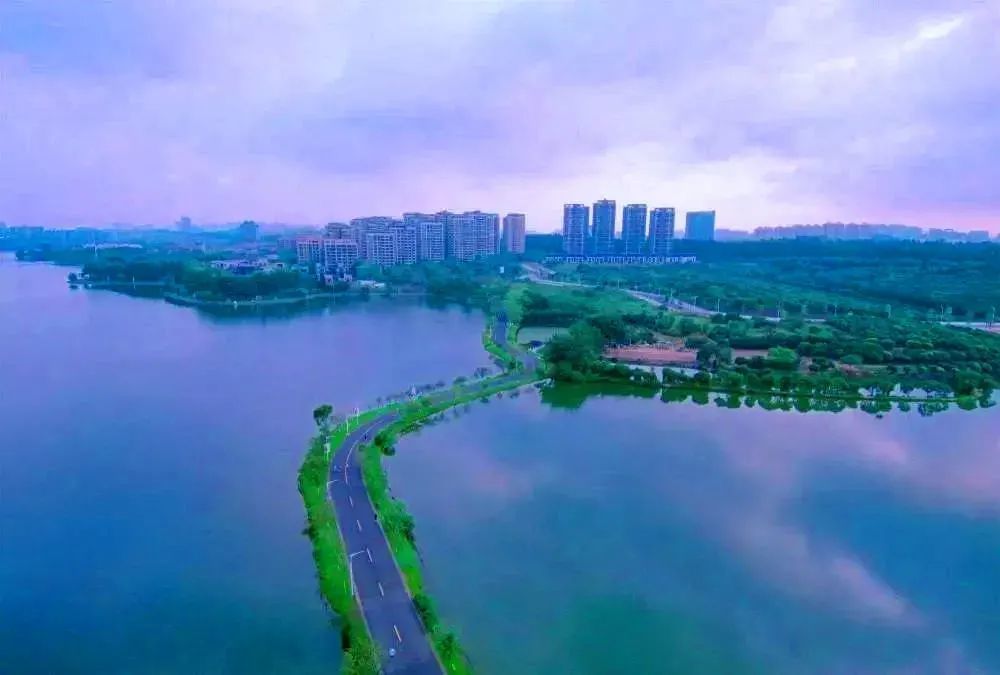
(351, 499)
(380, 589)
(398, 636)
(370, 559)
(359, 524)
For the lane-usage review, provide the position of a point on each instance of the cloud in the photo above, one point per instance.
(310, 110)
(789, 559)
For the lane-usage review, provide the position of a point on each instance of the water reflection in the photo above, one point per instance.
(805, 404)
(785, 542)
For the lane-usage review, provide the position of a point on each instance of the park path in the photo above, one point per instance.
(377, 581)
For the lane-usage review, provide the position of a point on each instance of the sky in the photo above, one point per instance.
(309, 111)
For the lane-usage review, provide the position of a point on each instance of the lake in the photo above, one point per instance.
(149, 515)
(610, 534)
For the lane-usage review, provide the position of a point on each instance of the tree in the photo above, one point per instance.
(782, 358)
(362, 659)
(321, 415)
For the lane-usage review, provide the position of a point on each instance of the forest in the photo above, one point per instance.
(840, 355)
(820, 279)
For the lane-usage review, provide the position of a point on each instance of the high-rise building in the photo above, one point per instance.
(474, 234)
(430, 240)
(603, 240)
(513, 232)
(381, 248)
(576, 219)
(339, 254)
(661, 231)
(338, 231)
(634, 228)
(309, 250)
(406, 242)
(700, 226)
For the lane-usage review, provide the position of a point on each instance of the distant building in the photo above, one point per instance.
(603, 239)
(406, 242)
(513, 232)
(978, 236)
(700, 226)
(339, 254)
(309, 250)
(576, 219)
(474, 235)
(661, 231)
(381, 248)
(248, 230)
(722, 234)
(184, 224)
(339, 231)
(633, 228)
(430, 240)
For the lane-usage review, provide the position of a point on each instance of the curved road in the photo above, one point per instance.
(385, 601)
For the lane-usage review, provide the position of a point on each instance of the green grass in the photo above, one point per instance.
(394, 517)
(328, 550)
(362, 656)
(539, 333)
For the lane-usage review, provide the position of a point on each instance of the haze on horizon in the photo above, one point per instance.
(314, 110)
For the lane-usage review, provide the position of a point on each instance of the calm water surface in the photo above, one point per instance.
(149, 518)
(628, 535)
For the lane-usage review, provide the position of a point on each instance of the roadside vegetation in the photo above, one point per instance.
(848, 355)
(396, 521)
(360, 652)
(820, 279)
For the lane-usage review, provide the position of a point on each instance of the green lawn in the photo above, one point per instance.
(530, 334)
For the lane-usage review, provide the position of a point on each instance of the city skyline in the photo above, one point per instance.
(769, 113)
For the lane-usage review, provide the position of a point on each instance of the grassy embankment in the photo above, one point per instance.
(361, 652)
(396, 521)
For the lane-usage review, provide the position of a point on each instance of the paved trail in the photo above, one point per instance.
(385, 602)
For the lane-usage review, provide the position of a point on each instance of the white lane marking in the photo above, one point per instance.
(359, 526)
(351, 499)
(370, 559)
(398, 636)
(380, 589)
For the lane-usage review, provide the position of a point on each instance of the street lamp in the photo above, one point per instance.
(350, 567)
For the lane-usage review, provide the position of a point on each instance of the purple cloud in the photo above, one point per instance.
(308, 110)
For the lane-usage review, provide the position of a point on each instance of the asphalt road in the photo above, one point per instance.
(385, 602)
(388, 609)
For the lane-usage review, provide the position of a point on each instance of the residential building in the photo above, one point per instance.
(661, 231)
(700, 226)
(576, 220)
(430, 240)
(339, 231)
(339, 254)
(633, 228)
(513, 232)
(381, 248)
(603, 239)
(406, 242)
(309, 250)
(474, 234)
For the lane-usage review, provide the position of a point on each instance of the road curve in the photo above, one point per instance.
(385, 601)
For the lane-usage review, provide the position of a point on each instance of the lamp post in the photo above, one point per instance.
(350, 567)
